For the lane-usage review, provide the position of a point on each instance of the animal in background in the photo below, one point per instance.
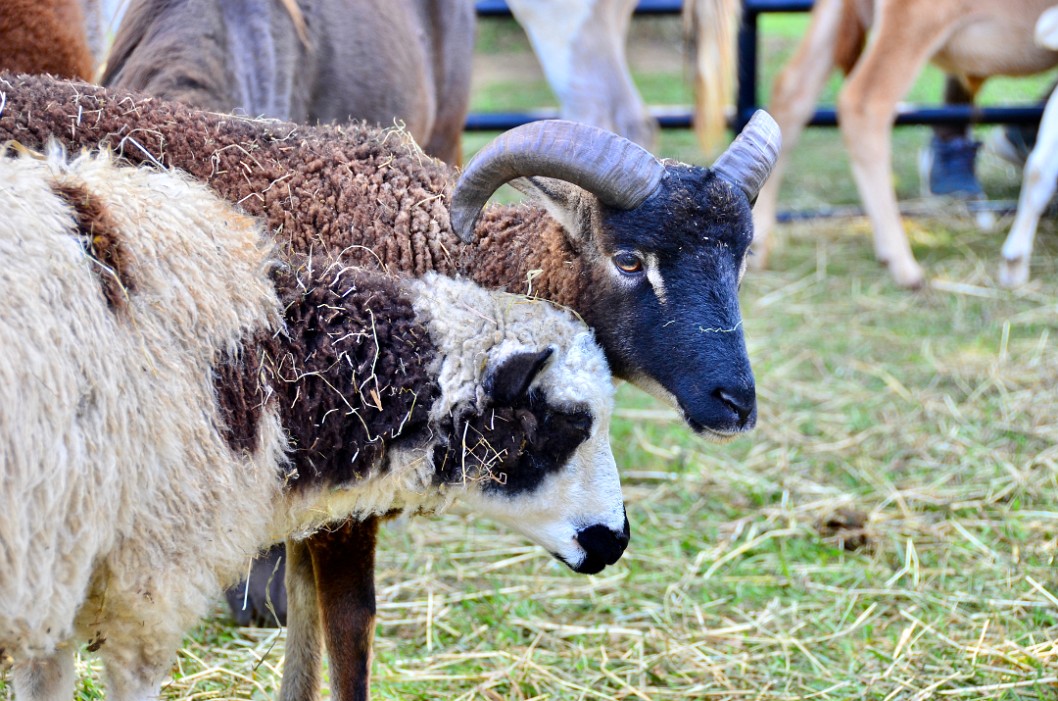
(306, 61)
(1040, 175)
(581, 47)
(45, 36)
(972, 39)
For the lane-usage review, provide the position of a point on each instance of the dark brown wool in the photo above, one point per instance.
(368, 192)
(351, 374)
(101, 241)
(240, 401)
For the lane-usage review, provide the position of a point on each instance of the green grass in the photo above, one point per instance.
(889, 532)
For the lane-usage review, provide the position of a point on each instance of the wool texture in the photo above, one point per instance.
(370, 194)
(108, 410)
(166, 414)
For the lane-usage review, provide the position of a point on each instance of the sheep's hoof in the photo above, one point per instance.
(1014, 272)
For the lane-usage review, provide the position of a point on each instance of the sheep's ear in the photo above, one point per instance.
(567, 203)
(510, 380)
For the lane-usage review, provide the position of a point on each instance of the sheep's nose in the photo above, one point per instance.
(742, 402)
(602, 546)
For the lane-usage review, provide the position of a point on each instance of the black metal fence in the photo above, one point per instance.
(748, 97)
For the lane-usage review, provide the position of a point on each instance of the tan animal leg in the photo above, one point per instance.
(793, 100)
(867, 109)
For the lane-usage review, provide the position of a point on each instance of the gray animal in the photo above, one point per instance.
(306, 61)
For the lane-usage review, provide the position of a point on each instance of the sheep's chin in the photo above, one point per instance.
(711, 435)
(579, 567)
(655, 389)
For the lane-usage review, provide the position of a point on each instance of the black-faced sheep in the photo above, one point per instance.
(176, 396)
(649, 253)
(652, 275)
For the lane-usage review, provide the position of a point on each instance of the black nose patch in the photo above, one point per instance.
(602, 546)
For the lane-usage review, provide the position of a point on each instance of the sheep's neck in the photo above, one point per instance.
(523, 250)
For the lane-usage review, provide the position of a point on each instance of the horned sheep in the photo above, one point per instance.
(649, 253)
(178, 394)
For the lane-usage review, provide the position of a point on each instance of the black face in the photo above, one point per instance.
(665, 297)
(520, 438)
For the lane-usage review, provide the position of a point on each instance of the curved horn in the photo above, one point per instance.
(748, 161)
(617, 171)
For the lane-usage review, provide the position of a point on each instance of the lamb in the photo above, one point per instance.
(1041, 174)
(649, 253)
(45, 36)
(179, 394)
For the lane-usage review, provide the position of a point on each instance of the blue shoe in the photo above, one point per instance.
(947, 168)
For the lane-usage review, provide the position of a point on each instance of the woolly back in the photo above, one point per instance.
(122, 288)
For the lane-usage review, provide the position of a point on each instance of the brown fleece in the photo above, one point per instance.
(101, 241)
(239, 398)
(351, 373)
(369, 193)
(44, 36)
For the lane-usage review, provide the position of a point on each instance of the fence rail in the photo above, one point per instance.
(748, 96)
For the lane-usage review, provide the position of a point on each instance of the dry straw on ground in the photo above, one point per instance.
(888, 532)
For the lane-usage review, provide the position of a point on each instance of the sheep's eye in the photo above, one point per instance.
(628, 262)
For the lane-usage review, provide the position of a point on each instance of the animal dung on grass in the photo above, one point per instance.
(179, 393)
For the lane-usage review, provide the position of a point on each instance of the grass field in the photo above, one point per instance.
(889, 531)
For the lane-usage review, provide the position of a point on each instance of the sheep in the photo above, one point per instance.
(1041, 173)
(309, 61)
(654, 268)
(180, 393)
(323, 60)
(45, 36)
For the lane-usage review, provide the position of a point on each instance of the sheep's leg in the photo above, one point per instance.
(793, 99)
(136, 672)
(344, 561)
(904, 40)
(304, 656)
(1037, 188)
(49, 678)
